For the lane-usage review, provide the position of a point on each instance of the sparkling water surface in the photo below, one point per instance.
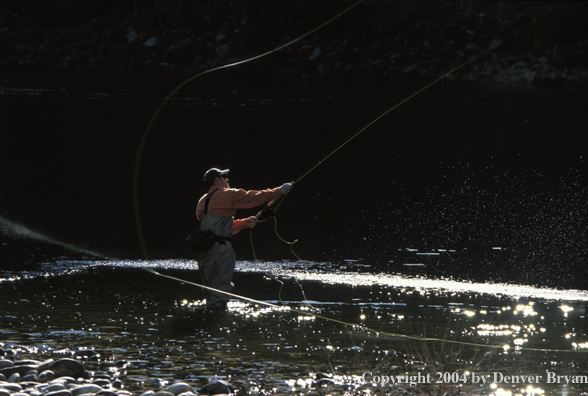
(466, 167)
(310, 319)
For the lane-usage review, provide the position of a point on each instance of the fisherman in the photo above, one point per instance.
(217, 265)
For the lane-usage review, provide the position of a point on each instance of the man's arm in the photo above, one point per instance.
(240, 224)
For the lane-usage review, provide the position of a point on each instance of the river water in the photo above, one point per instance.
(459, 217)
(310, 319)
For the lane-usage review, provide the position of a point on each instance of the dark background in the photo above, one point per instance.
(535, 41)
(492, 156)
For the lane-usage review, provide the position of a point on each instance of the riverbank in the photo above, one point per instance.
(533, 43)
(69, 377)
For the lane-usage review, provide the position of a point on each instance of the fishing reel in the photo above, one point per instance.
(265, 213)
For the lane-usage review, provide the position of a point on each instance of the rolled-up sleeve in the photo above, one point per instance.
(225, 201)
(242, 199)
(239, 225)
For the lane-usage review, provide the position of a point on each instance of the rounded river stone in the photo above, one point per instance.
(53, 388)
(67, 368)
(216, 388)
(11, 387)
(82, 389)
(5, 363)
(22, 370)
(63, 392)
(46, 376)
(180, 387)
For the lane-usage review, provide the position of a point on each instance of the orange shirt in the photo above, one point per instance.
(225, 201)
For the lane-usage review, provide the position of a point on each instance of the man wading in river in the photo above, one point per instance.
(215, 212)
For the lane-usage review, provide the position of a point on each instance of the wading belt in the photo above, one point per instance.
(221, 239)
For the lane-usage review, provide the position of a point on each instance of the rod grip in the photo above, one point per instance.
(266, 211)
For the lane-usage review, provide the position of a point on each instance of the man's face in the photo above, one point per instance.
(222, 181)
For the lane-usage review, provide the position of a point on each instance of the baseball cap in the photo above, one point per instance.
(212, 173)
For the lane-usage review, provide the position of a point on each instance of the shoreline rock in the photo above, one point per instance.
(68, 377)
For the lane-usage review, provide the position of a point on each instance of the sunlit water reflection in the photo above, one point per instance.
(313, 319)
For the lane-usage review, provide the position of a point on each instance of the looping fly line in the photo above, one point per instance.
(175, 90)
(309, 170)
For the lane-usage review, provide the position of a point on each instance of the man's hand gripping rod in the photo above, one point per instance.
(267, 211)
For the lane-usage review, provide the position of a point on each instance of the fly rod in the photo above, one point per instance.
(267, 211)
(369, 124)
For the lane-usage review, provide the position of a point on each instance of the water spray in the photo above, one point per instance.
(18, 230)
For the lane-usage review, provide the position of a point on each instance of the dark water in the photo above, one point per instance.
(482, 184)
(458, 167)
